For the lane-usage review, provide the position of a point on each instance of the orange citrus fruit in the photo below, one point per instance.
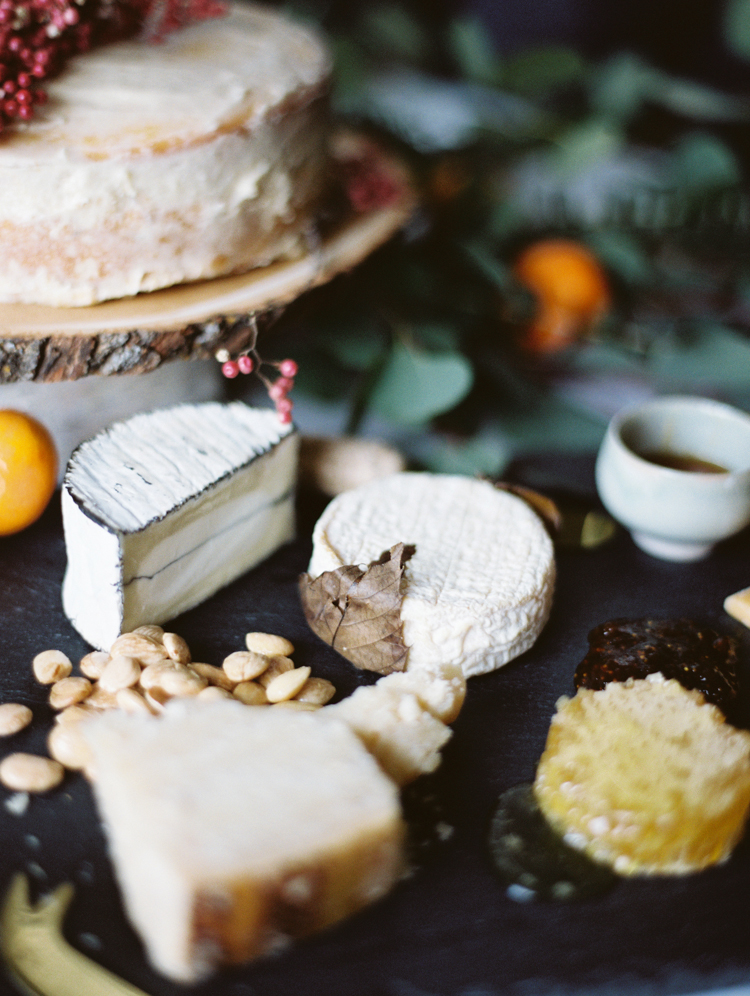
(571, 289)
(28, 470)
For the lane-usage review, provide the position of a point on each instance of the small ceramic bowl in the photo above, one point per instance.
(676, 472)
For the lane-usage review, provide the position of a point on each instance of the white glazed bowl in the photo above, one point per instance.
(677, 514)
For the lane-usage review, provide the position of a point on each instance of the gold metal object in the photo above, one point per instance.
(41, 961)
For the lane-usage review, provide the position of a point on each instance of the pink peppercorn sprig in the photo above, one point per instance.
(278, 389)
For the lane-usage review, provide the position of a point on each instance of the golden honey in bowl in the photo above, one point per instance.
(683, 461)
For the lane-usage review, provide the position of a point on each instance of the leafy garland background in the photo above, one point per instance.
(421, 344)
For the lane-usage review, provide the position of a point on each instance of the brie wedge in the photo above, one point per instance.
(165, 508)
(478, 590)
(234, 828)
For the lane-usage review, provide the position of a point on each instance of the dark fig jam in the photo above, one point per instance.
(696, 656)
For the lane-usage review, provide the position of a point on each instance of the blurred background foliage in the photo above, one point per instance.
(433, 341)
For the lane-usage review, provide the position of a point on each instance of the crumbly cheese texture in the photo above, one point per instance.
(163, 509)
(234, 829)
(402, 719)
(479, 588)
(645, 776)
(154, 164)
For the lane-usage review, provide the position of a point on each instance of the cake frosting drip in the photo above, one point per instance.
(156, 164)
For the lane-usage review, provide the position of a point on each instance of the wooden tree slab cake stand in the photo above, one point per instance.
(193, 321)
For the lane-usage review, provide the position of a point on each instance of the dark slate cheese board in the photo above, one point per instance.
(450, 928)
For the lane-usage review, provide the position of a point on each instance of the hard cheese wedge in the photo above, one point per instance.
(233, 829)
(165, 508)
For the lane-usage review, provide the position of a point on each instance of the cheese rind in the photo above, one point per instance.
(233, 829)
(478, 590)
(163, 509)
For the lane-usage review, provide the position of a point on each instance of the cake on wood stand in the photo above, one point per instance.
(63, 364)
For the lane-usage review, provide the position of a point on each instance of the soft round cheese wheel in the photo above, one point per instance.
(478, 590)
(155, 164)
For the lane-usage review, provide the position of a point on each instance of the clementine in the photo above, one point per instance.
(571, 288)
(28, 470)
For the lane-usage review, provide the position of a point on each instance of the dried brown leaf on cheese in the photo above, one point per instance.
(357, 610)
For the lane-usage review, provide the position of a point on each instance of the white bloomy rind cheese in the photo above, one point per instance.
(479, 589)
(165, 508)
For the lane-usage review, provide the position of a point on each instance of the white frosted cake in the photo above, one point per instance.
(165, 508)
(155, 164)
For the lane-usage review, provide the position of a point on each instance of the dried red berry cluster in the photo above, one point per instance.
(368, 186)
(278, 390)
(37, 37)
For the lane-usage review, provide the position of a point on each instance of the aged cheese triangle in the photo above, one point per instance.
(234, 829)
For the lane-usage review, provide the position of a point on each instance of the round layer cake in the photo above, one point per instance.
(156, 164)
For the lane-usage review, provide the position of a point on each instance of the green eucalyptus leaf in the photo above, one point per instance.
(357, 346)
(620, 86)
(392, 31)
(321, 378)
(604, 358)
(704, 162)
(541, 69)
(713, 356)
(586, 142)
(486, 454)
(696, 100)
(737, 27)
(351, 69)
(416, 385)
(472, 47)
(436, 336)
(485, 260)
(553, 425)
(622, 254)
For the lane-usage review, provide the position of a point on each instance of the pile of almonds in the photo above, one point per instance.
(143, 670)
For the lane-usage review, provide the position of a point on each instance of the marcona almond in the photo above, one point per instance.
(179, 680)
(129, 700)
(67, 745)
(296, 704)
(251, 693)
(176, 648)
(120, 672)
(143, 648)
(286, 685)
(245, 665)
(93, 664)
(100, 699)
(214, 675)
(13, 717)
(316, 691)
(276, 666)
(50, 666)
(212, 692)
(69, 692)
(75, 713)
(150, 630)
(152, 674)
(157, 698)
(30, 773)
(269, 644)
